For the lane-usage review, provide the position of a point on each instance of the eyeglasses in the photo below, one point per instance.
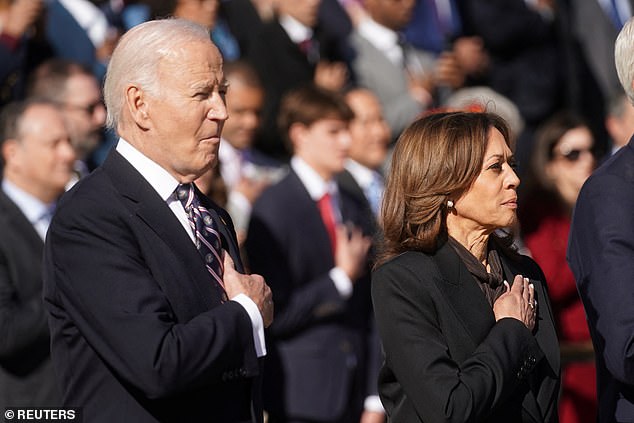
(574, 154)
(90, 109)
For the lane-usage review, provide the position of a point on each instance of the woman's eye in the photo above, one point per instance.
(496, 166)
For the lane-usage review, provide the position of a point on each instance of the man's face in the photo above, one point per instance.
(244, 107)
(323, 145)
(84, 113)
(393, 14)
(41, 160)
(186, 117)
(305, 11)
(369, 131)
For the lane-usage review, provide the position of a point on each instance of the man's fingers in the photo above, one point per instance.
(228, 261)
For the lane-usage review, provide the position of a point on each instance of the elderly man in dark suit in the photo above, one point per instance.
(37, 160)
(149, 319)
(601, 256)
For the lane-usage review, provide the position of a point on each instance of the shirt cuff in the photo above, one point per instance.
(342, 282)
(256, 322)
(373, 403)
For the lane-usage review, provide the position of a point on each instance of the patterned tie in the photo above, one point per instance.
(205, 231)
(328, 216)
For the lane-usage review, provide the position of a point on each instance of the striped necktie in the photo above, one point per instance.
(205, 231)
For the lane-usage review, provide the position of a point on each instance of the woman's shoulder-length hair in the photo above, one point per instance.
(437, 157)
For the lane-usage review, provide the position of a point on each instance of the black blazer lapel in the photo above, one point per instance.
(465, 295)
(545, 335)
(159, 218)
(547, 340)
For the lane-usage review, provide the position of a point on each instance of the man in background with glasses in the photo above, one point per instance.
(76, 90)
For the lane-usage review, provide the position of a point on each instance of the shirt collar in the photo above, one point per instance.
(33, 208)
(296, 30)
(383, 38)
(363, 175)
(315, 184)
(160, 179)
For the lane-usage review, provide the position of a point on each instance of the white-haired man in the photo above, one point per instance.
(601, 256)
(150, 321)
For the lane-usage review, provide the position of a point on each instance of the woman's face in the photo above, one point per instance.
(491, 202)
(572, 163)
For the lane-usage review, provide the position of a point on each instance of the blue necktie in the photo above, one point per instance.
(205, 230)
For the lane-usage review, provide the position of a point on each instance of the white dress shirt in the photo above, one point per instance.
(165, 185)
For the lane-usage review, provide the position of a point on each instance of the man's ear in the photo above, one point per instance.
(136, 102)
(296, 135)
(9, 151)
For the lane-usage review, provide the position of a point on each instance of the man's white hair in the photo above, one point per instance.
(136, 58)
(624, 58)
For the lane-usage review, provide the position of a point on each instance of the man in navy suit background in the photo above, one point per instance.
(307, 238)
(147, 323)
(601, 256)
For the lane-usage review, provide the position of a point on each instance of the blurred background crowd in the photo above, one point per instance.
(546, 66)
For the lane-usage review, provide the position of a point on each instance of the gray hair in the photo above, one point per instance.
(624, 58)
(136, 58)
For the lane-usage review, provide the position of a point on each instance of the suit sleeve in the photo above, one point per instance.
(297, 305)
(98, 276)
(409, 318)
(601, 255)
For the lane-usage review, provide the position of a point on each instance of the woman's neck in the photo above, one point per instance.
(474, 241)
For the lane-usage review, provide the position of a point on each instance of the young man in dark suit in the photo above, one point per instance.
(601, 256)
(149, 319)
(306, 237)
(37, 161)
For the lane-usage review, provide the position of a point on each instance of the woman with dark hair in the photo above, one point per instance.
(465, 321)
(562, 160)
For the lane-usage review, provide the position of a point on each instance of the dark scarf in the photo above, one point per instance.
(491, 284)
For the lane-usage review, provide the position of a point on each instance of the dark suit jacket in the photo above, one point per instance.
(281, 66)
(601, 256)
(316, 369)
(138, 330)
(26, 373)
(446, 359)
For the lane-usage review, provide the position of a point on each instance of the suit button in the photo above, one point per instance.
(243, 372)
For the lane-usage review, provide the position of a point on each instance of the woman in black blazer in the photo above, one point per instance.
(465, 321)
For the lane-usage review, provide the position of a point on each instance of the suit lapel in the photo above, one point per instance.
(18, 221)
(152, 210)
(465, 296)
(545, 335)
(546, 339)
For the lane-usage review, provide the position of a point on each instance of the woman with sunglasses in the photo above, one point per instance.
(561, 162)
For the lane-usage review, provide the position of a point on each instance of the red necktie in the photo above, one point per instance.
(328, 216)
